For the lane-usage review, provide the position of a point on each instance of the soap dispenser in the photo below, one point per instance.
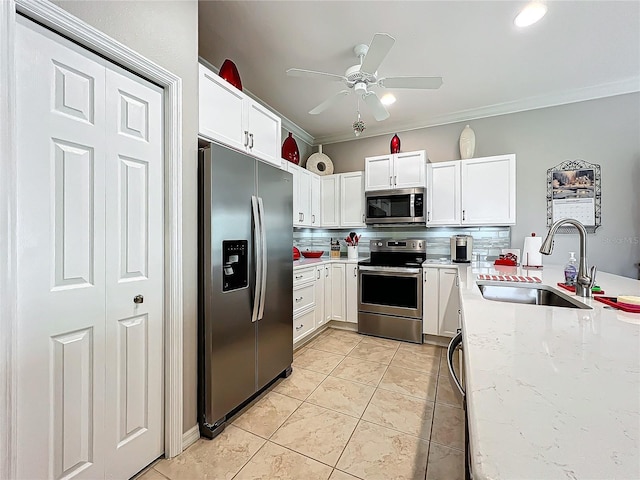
(571, 270)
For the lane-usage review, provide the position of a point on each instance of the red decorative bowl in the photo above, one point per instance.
(229, 72)
(312, 253)
(296, 253)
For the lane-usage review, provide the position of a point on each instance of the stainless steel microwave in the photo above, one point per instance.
(401, 206)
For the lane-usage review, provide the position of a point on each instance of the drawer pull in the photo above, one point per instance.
(299, 299)
(299, 327)
(298, 277)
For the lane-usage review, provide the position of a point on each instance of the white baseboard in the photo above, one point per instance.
(190, 437)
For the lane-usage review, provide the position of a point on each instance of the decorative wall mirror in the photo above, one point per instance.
(574, 191)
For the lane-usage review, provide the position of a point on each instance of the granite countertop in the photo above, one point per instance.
(552, 392)
(307, 262)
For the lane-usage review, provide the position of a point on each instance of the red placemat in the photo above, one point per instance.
(613, 302)
(572, 288)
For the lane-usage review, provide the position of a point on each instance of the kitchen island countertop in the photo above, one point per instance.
(552, 392)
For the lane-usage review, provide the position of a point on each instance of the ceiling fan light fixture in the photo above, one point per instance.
(388, 99)
(358, 126)
(530, 14)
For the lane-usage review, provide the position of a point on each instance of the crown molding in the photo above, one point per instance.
(621, 87)
(287, 124)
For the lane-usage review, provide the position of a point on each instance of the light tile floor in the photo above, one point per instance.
(355, 407)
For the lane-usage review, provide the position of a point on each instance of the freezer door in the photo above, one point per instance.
(227, 334)
(275, 324)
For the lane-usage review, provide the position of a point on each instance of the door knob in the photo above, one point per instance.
(138, 299)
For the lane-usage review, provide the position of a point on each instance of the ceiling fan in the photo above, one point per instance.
(362, 76)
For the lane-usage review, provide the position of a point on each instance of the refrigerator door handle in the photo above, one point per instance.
(263, 260)
(257, 241)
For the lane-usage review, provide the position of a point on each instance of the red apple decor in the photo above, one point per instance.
(290, 150)
(395, 144)
(229, 72)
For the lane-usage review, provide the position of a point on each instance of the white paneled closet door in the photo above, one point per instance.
(134, 273)
(89, 370)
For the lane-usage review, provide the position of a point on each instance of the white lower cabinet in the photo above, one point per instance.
(324, 292)
(448, 302)
(303, 324)
(441, 301)
(351, 281)
(338, 294)
(319, 286)
(304, 302)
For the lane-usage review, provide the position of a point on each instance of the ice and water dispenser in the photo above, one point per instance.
(235, 265)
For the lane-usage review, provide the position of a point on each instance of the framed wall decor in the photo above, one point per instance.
(574, 191)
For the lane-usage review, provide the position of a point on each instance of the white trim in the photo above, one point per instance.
(65, 24)
(622, 87)
(287, 124)
(8, 195)
(190, 437)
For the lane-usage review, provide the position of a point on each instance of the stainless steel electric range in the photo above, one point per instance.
(390, 289)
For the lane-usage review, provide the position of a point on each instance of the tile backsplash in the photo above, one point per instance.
(487, 241)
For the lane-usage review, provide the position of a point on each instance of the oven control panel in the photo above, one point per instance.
(392, 245)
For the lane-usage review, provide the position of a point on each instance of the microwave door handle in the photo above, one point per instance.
(256, 257)
(412, 205)
(263, 260)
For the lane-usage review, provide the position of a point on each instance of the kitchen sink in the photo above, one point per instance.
(528, 294)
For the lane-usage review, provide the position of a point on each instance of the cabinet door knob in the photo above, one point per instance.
(251, 140)
(138, 299)
(391, 181)
(463, 215)
(246, 138)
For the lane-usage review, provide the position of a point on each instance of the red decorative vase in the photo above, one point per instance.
(395, 144)
(229, 72)
(290, 150)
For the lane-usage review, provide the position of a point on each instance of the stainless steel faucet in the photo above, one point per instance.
(584, 282)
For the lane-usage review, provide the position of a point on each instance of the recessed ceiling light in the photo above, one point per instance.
(530, 14)
(388, 99)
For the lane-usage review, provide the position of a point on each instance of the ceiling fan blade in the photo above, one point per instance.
(377, 108)
(298, 72)
(378, 49)
(328, 102)
(411, 82)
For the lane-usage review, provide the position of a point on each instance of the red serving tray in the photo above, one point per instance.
(613, 302)
(572, 288)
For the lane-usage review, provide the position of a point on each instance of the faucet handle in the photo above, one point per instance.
(592, 276)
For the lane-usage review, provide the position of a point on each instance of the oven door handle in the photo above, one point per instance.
(451, 350)
(412, 271)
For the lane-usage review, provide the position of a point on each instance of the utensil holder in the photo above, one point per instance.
(352, 252)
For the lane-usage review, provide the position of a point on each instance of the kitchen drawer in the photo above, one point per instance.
(303, 325)
(304, 296)
(303, 275)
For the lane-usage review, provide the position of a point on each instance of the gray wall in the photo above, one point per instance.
(166, 32)
(604, 131)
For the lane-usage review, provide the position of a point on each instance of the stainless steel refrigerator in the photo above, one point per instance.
(245, 329)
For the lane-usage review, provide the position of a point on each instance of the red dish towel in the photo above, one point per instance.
(509, 278)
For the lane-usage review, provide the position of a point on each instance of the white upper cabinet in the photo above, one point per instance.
(264, 129)
(352, 199)
(221, 112)
(443, 194)
(478, 191)
(316, 200)
(330, 204)
(409, 169)
(378, 172)
(489, 190)
(231, 117)
(398, 170)
(302, 195)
